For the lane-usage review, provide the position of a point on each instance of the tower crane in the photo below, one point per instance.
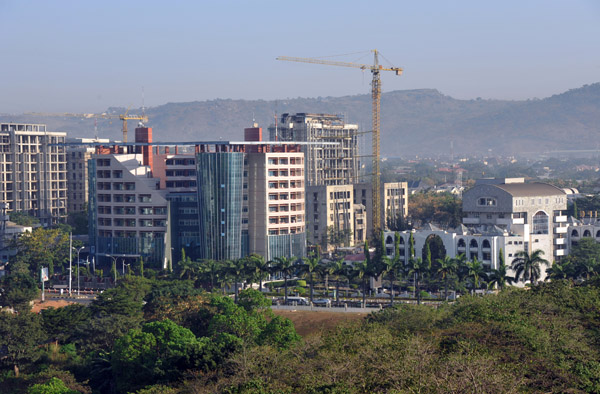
(375, 69)
(124, 117)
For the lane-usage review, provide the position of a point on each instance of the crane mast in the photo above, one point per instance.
(375, 69)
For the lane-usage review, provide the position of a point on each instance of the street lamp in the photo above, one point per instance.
(78, 250)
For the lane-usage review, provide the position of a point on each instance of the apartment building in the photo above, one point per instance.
(79, 152)
(334, 164)
(33, 171)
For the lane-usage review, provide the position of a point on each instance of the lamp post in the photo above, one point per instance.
(78, 250)
(114, 259)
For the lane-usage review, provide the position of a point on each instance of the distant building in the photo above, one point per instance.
(330, 214)
(33, 171)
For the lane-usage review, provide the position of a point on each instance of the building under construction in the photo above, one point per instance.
(324, 164)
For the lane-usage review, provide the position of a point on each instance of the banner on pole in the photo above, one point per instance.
(44, 275)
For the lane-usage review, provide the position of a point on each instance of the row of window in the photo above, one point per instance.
(285, 184)
(181, 172)
(129, 234)
(132, 222)
(284, 160)
(286, 196)
(174, 184)
(124, 198)
(285, 231)
(108, 210)
(115, 185)
(180, 162)
(286, 219)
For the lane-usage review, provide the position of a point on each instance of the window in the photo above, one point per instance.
(540, 223)
(486, 201)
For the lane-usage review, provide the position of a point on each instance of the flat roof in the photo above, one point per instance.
(193, 143)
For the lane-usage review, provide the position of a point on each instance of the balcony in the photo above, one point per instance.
(560, 219)
(518, 221)
(471, 221)
(560, 230)
(560, 252)
(560, 241)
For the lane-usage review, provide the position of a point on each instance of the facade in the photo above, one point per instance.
(9, 232)
(330, 215)
(533, 211)
(33, 171)
(335, 164)
(394, 201)
(276, 208)
(77, 171)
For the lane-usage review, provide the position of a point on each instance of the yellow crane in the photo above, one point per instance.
(124, 117)
(375, 69)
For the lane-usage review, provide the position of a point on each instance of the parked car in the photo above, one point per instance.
(297, 301)
(324, 302)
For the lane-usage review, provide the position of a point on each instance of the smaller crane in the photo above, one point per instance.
(124, 117)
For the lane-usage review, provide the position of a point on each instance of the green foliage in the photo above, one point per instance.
(79, 222)
(160, 351)
(24, 219)
(441, 208)
(43, 248)
(53, 386)
(61, 323)
(279, 332)
(251, 299)
(20, 337)
(17, 290)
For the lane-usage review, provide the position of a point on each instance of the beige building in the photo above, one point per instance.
(394, 201)
(33, 171)
(275, 211)
(330, 214)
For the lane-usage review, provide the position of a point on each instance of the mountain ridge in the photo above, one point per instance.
(416, 121)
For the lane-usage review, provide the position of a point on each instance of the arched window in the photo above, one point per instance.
(598, 234)
(587, 233)
(401, 241)
(486, 244)
(574, 233)
(473, 244)
(540, 223)
(389, 240)
(461, 243)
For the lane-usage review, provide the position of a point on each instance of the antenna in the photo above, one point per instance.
(143, 104)
(96, 128)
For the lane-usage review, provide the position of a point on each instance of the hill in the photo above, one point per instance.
(422, 121)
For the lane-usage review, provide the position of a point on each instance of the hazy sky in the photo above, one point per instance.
(84, 56)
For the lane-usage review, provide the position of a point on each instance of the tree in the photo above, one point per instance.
(141, 268)
(210, 270)
(393, 265)
(20, 337)
(285, 266)
(188, 269)
(24, 219)
(17, 290)
(339, 270)
(310, 267)
(43, 248)
(527, 267)
(447, 267)
(560, 270)
(260, 266)
(158, 351)
(418, 268)
(499, 277)
(53, 386)
(476, 271)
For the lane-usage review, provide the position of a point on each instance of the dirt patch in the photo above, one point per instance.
(38, 305)
(310, 322)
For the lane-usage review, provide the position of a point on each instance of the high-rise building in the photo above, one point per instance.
(330, 212)
(325, 164)
(33, 171)
(77, 171)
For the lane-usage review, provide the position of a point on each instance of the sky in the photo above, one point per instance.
(86, 56)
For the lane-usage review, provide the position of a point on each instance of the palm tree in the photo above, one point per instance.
(448, 267)
(211, 269)
(417, 268)
(237, 269)
(499, 277)
(285, 266)
(558, 270)
(363, 271)
(188, 269)
(311, 266)
(259, 267)
(527, 266)
(339, 269)
(476, 271)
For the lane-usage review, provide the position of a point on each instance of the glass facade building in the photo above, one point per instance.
(220, 193)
